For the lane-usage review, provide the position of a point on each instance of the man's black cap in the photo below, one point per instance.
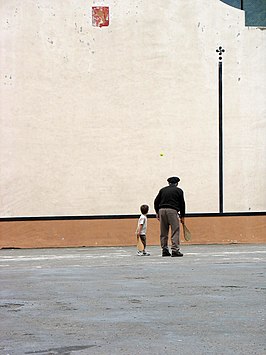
(173, 180)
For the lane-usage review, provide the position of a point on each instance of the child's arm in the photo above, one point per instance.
(139, 230)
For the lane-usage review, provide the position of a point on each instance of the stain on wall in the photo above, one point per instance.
(100, 16)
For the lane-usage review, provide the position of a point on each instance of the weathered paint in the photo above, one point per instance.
(100, 16)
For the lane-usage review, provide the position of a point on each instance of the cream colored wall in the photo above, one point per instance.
(86, 112)
(245, 123)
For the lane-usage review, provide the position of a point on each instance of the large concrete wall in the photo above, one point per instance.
(86, 111)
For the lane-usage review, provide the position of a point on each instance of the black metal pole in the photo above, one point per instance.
(242, 4)
(221, 207)
(220, 52)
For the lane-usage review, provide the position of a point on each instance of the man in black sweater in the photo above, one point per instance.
(169, 205)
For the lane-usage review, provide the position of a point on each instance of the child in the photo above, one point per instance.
(142, 229)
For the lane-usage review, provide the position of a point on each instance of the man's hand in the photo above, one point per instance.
(182, 220)
(157, 216)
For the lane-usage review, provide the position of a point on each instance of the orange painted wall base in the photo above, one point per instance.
(121, 232)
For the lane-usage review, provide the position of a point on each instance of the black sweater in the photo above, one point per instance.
(170, 197)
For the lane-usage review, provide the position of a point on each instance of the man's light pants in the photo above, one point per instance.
(169, 217)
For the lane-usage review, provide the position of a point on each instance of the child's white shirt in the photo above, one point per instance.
(144, 221)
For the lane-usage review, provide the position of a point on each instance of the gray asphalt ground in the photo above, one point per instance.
(111, 301)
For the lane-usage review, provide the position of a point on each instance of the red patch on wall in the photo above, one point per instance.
(100, 16)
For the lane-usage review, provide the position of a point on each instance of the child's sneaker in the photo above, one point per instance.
(146, 253)
(140, 253)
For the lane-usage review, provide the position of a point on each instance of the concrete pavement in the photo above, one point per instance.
(110, 301)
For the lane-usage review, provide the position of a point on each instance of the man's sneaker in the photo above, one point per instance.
(176, 253)
(166, 252)
(146, 253)
(140, 253)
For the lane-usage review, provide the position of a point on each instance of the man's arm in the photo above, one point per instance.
(157, 202)
(182, 208)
